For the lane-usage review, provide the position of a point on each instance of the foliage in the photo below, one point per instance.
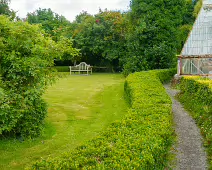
(197, 7)
(26, 58)
(147, 37)
(196, 95)
(1, 90)
(65, 45)
(134, 64)
(51, 22)
(140, 141)
(4, 6)
(5, 10)
(101, 38)
(184, 32)
(112, 32)
(153, 36)
(165, 76)
(192, 10)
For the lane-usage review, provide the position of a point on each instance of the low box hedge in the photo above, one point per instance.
(196, 96)
(141, 140)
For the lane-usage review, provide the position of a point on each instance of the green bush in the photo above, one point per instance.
(26, 57)
(140, 141)
(196, 95)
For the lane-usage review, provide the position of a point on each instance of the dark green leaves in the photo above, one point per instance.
(155, 36)
(27, 57)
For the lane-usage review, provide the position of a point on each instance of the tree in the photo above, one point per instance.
(154, 36)
(27, 56)
(112, 33)
(68, 51)
(5, 10)
(4, 6)
(101, 38)
(51, 22)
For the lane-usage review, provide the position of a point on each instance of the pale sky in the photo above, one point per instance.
(68, 8)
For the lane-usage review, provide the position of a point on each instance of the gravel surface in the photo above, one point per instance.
(190, 151)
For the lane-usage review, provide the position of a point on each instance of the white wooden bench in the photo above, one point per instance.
(81, 68)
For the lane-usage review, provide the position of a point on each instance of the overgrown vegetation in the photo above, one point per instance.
(196, 96)
(141, 140)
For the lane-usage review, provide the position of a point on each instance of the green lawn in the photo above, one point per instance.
(79, 108)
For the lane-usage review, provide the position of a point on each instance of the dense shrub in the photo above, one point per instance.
(140, 141)
(196, 95)
(26, 56)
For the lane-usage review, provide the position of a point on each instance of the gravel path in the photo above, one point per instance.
(190, 151)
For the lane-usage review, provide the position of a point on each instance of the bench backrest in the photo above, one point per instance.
(82, 66)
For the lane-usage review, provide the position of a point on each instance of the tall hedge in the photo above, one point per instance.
(140, 141)
(196, 95)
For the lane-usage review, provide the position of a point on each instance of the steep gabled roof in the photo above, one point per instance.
(199, 42)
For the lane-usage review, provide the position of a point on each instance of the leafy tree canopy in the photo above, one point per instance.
(100, 37)
(5, 10)
(154, 37)
(153, 32)
(49, 20)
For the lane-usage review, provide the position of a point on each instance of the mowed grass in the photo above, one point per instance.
(79, 108)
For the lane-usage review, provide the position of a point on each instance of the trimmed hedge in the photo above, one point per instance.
(165, 76)
(196, 95)
(141, 140)
(62, 68)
